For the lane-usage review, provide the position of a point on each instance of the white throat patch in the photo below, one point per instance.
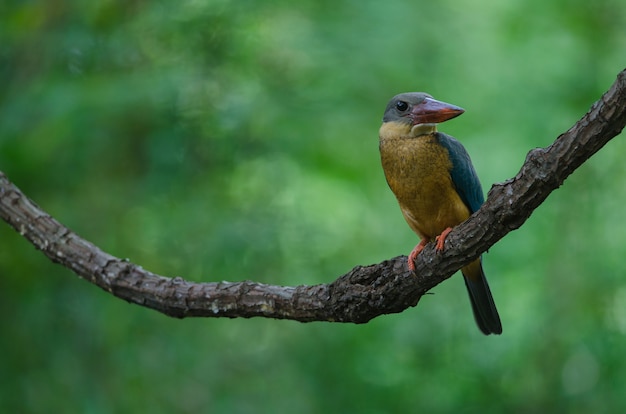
(423, 129)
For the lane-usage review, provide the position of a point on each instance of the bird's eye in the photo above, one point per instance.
(402, 106)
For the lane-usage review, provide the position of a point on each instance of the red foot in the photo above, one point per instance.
(416, 250)
(441, 239)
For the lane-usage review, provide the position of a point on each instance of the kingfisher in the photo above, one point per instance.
(436, 185)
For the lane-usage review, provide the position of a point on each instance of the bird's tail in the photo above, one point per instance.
(484, 308)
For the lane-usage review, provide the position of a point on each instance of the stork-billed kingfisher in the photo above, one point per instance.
(435, 183)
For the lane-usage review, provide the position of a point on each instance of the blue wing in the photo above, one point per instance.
(464, 176)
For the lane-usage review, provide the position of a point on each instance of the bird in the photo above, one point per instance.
(435, 184)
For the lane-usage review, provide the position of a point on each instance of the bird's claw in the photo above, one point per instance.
(413, 255)
(441, 239)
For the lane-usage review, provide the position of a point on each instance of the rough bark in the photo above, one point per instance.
(363, 293)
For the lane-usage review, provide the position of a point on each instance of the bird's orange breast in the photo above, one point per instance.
(418, 172)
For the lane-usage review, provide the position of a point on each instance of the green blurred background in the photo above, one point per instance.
(231, 140)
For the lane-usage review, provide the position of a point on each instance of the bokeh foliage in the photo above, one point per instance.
(229, 140)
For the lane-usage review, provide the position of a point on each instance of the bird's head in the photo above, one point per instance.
(418, 112)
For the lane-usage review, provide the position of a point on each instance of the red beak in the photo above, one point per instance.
(432, 111)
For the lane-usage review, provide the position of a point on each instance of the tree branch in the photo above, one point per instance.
(363, 293)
